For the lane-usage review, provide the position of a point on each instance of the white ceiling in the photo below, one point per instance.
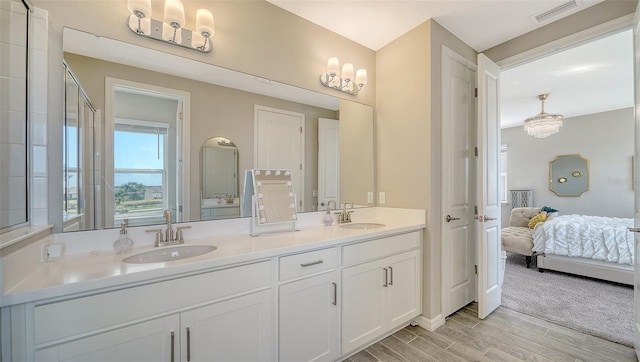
(482, 24)
(592, 78)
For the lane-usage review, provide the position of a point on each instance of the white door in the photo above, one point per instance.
(238, 329)
(328, 162)
(279, 144)
(309, 319)
(362, 303)
(152, 341)
(402, 299)
(458, 244)
(636, 67)
(489, 241)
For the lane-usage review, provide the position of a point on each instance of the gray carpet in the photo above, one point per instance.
(587, 305)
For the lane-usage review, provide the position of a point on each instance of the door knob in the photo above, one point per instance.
(634, 230)
(487, 218)
(449, 218)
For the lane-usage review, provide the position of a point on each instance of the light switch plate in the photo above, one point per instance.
(370, 197)
(382, 198)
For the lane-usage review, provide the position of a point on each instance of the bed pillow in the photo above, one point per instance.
(541, 217)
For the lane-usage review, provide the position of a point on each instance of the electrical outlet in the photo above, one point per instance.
(370, 197)
(382, 198)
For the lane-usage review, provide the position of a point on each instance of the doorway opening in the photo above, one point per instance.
(589, 79)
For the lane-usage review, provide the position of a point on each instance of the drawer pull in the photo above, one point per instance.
(188, 344)
(386, 278)
(335, 293)
(173, 341)
(391, 272)
(304, 265)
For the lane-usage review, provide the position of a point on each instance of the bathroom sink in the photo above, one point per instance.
(169, 253)
(362, 225)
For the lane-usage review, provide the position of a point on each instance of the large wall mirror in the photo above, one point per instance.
(211, 102)
(569, 175)
(13, 113)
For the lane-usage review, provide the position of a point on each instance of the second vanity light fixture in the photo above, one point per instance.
(346, 82)
(171, 29)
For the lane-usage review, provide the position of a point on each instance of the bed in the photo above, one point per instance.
(593, 246)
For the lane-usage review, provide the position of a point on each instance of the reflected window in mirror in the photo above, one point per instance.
(219, 181)
(13, 115)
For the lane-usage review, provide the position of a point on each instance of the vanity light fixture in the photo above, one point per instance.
(171, 29)
(544, 124)
(346, 82)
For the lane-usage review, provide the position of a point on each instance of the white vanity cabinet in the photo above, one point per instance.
(218, 315)
(309, 306)
(380, 288)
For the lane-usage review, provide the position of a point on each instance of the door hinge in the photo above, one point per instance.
(476, 93)
(475, 211)
(300, 166)
(476, 268)
(475, 150)
(180, 116)
(300, 129)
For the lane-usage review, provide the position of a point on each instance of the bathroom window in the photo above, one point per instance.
(140, 171)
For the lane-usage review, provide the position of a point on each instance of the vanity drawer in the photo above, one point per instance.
(379, 248)
(294, 266)
(82, 315)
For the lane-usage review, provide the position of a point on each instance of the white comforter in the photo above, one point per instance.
(593, 237)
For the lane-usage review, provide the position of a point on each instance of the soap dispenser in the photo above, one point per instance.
(124, 243)
(327, 220)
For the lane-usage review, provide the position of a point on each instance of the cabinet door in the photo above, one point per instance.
(402, 298)
(238, 329)
(309, 319)
(362, 304)
(152, 341)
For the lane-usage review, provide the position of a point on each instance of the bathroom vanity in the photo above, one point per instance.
(321, 293)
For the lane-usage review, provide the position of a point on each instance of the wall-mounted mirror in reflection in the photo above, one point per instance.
(223, 102)
(219, 185)
(569, 175)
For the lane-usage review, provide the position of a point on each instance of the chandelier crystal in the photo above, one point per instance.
(544, 124)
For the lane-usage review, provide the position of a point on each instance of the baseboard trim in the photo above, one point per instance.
(429, 324)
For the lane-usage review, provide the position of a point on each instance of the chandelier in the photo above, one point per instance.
(544, 124)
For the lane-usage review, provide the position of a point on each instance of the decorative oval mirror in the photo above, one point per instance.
(219, 189)
(569, 175)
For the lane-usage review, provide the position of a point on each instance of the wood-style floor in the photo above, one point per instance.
(505, 335)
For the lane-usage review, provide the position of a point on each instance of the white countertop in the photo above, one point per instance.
(83, 270)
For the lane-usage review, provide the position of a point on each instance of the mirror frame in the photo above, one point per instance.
(567, 178)
(283, 91)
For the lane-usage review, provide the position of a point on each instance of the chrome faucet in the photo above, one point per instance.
(169, 232)
(344, 216)
(168, 237)
(329, 205)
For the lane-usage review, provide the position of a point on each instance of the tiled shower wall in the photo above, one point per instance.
(38, 73)
(13, 128)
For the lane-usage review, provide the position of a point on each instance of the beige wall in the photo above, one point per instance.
(215, 111)
(408, 135)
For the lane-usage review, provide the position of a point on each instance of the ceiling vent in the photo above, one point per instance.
(557, 11)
